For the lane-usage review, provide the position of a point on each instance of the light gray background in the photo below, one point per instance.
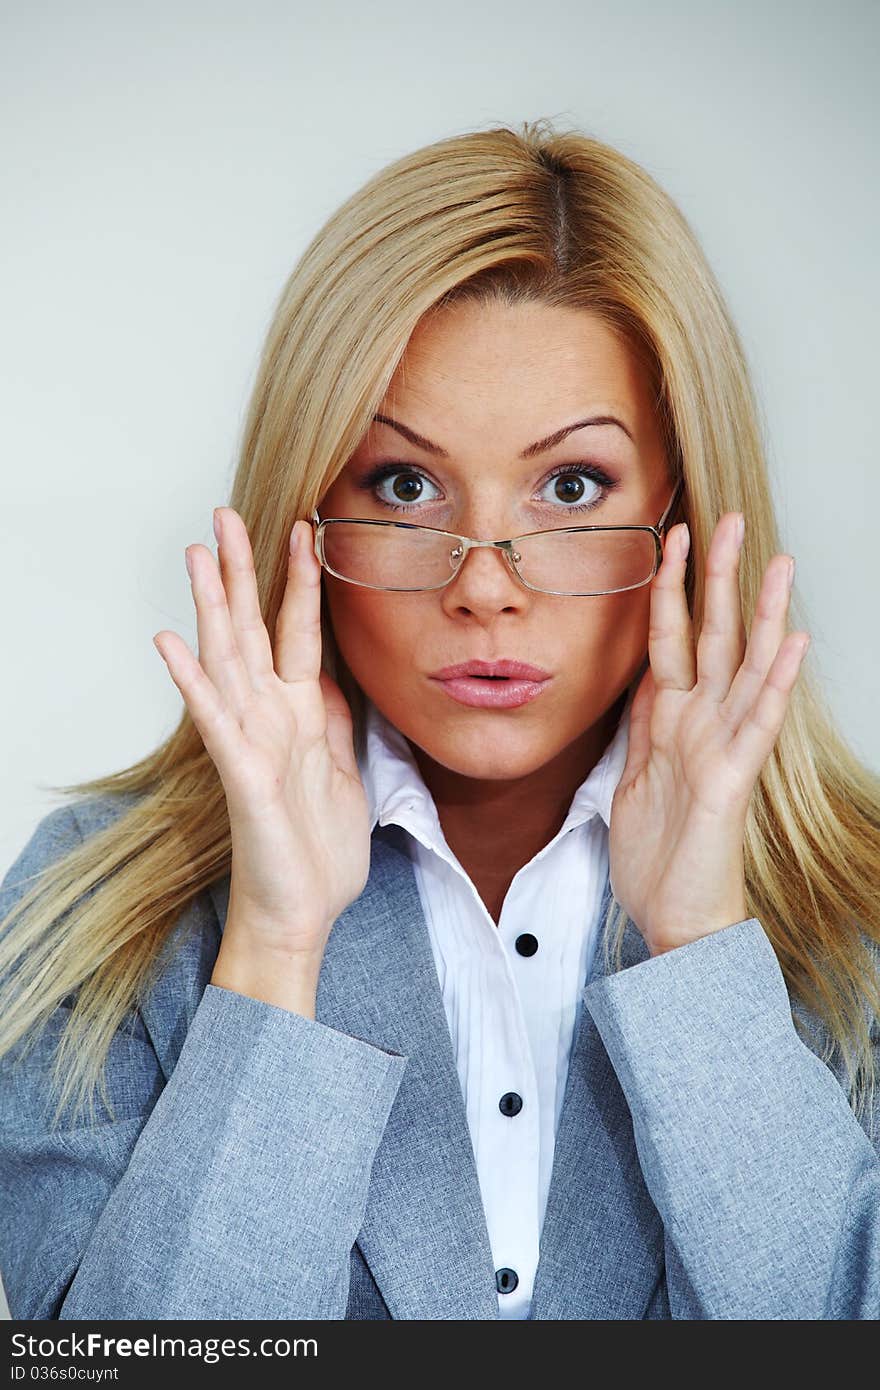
(164, 166)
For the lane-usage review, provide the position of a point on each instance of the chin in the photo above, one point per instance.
(482, 755)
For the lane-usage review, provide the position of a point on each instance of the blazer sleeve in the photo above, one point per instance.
(234, 1190)
(767, 1184)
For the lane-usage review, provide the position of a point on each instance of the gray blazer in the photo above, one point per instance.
(266, 1165)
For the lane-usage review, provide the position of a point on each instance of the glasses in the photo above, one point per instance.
(575, 561)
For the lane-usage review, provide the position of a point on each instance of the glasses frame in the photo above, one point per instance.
(467, 544)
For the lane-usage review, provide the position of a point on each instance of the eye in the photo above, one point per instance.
(407, 492)
(572, 489)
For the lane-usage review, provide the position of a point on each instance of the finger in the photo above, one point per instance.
(243, 599)
(219, 656)
(298, 628)
(765, 638)
(670, 628)
(753, 743)
(722, 639)
(216, 723)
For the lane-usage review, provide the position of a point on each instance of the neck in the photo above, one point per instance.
(498, 826)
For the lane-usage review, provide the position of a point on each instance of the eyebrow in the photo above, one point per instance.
(540, 446)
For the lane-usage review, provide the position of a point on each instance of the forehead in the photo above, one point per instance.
(524, 359)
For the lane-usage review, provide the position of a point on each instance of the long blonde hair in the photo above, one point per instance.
(528, 214)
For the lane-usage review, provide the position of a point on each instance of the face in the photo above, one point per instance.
(482, 384)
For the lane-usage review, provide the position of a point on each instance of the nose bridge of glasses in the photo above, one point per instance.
(486, 545)
(466, 544)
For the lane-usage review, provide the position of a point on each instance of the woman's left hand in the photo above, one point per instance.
(702, 725)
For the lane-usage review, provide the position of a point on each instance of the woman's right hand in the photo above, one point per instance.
(280, 734)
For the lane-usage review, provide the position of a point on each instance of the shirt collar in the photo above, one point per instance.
(396, 791)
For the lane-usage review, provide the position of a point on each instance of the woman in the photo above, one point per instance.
(327, 950)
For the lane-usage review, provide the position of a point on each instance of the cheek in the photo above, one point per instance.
(601, 655)
(610, 630)
(375, 633)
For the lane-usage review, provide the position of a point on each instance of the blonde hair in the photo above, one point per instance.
(528, 214)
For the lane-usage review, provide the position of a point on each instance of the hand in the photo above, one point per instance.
(701, 729)
(279, 732)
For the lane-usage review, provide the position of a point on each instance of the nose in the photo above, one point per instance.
(484, 583)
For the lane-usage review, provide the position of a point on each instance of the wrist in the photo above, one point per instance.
(661, 941)
(287, 979)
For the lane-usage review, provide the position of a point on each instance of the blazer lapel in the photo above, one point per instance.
(424, 1232)
(602, 1243)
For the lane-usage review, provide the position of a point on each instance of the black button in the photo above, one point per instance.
(526, 944)
(510, 1103)
(506, 1280)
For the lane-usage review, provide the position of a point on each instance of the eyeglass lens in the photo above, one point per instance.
(561, 562)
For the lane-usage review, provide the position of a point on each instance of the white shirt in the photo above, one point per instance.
(511, 1016)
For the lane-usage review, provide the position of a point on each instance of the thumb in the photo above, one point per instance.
(340, 726)
(639, 737)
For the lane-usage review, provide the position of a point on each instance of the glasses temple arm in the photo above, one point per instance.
(662, 523)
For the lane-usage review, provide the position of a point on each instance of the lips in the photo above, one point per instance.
(493, 685)
(500, 670)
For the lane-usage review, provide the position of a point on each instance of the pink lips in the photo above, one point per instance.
(516, 683)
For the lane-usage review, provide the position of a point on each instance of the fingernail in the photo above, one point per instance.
(685, 542)
(294, 539)
(790, 571)
(188, 563)
(741, 529)
(217, 525)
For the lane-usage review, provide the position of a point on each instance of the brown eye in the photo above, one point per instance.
(407, 486)
(568, 489)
